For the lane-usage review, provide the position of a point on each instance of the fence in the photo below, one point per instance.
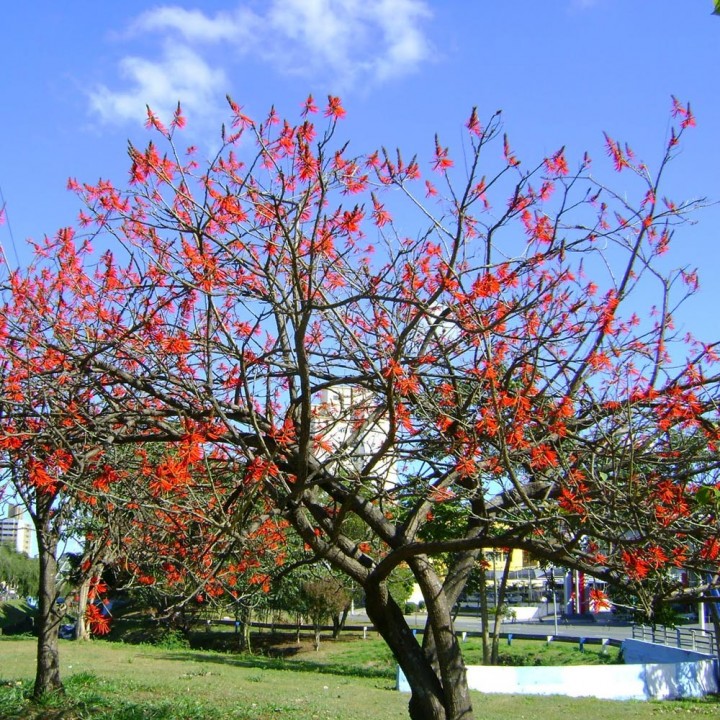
(685, 638)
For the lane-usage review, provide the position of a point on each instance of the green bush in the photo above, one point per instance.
(172, 640)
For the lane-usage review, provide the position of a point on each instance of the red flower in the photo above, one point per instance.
(598, 601)
(309, 106)
(97, 619)
(334, 108)
(441, 162)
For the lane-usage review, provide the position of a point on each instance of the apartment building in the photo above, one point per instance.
(15, 529)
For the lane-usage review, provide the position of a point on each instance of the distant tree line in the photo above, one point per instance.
(18, 571)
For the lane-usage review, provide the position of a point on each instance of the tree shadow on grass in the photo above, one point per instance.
(263, 662)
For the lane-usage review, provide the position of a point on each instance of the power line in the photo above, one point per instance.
(4, 214)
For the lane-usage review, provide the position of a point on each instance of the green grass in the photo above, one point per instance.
(344, 681)
(534, 652)
(351, 652)
(114, 681)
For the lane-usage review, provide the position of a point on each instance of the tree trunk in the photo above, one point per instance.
(426, 701)
(447, 652)
(339, 621)
(435, 695)
(81, 629)
(485, 619)
(47, 678)
(498, 615)
(244, 620)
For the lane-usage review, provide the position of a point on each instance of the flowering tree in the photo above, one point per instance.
(55, 449)
(512, 356)
(209, 543)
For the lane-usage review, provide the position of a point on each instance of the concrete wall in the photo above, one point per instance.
(611, 682)
(645, 681)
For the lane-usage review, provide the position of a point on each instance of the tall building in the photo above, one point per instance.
(15, 530)
(348, 432)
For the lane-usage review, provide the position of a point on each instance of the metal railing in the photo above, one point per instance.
(686, 638)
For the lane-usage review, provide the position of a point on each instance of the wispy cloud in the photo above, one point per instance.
(195, 26)
(584, 4)
(343, 43)
(347, 41)
(180, 75)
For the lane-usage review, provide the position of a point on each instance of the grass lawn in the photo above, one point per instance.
(345, 680)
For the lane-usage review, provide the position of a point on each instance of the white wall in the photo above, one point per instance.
(661, 681)
(610, 682)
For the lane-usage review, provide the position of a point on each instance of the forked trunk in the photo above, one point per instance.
(431, 699)
(47, 678)
(446, 653)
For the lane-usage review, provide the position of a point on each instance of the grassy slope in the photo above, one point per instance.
(120, 682)
(13, 612)
(193, 684)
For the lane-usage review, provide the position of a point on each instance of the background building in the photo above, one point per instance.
(348, 433)
(15, 530)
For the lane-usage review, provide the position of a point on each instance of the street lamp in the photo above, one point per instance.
(554, 597)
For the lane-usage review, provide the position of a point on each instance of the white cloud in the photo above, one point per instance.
(342, 42)
(407, 47)
(584, 4)
(347, 41)
(193, 25)
(181, 74)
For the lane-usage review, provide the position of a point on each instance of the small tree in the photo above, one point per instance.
(324, 599)
(56, 435)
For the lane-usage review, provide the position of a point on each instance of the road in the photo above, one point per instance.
(605, 626)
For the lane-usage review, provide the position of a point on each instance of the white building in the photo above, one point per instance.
(349, 430)
(15, 530)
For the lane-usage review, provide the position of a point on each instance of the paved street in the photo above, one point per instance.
(605, 626)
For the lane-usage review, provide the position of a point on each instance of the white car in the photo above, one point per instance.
(513, 599)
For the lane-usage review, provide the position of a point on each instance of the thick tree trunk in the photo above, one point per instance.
(47, 678)
(447, 653)
(453, 586)
(439, 683)
(427, 699)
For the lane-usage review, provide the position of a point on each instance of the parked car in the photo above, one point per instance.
(67, 631)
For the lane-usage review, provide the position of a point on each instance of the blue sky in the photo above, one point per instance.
(76, 77)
